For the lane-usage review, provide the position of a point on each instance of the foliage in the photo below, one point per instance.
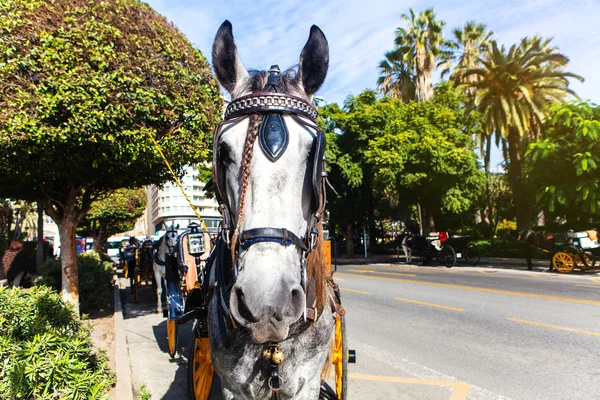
(86, 84)
(420, 44)
(396, 78)
(95, 280)
(115, 214)
(465, 49)
(424, 154)
(564, 165)
(144, 393)
(513, 90)
(45, 350)
(91, 80)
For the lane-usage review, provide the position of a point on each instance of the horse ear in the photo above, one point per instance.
(314, 61)
(226, 61)
(177, 227)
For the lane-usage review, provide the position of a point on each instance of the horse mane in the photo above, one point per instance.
(316, 271)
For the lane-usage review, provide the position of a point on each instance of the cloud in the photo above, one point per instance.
(360, 32)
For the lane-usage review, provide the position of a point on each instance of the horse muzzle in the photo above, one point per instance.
(267, 312)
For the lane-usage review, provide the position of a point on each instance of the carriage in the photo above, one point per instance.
(466, 251)
(136, 260)
(433, 246)
(568, 250)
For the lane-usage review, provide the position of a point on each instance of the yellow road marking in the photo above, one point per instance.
(481, 289)
(562, 328)
(338, 279)
(591, 286)
(483, 272)
(381, 272)
(354, 291)
(533, 276)
(459, 392)
(431, 304)
(594, 279)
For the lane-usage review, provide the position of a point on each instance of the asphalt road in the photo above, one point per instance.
(432, 333)
(468, 333)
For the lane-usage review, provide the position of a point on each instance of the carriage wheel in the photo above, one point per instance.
(563, 262)
(340, 358)
(447, 256)
(137, 284)
(427, 257)
(172, 331)
(200, 370)
(472, 254)
(587, 262)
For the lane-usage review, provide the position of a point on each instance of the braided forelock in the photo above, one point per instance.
(251, 135)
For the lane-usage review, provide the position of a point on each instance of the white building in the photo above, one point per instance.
(168, 205)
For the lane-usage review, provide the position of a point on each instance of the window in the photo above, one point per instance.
(167, 209)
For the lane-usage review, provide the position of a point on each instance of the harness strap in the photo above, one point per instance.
(276, 235)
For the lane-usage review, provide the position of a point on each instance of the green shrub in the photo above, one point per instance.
(95, 280)
(46, 350)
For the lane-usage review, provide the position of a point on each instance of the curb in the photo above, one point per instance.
(123, 389)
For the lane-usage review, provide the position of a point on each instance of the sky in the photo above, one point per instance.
(360, 32)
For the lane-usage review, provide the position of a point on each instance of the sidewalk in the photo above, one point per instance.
(495, 262)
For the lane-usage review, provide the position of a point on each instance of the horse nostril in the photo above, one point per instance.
(242, 307)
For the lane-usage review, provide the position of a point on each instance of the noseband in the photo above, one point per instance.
(273, 139)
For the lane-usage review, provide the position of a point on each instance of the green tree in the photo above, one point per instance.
(563, 166)
(513, 90)
(349, 173)
(84, 85)
(465, 50)
(114, 214)
(424, 156)
(396, 76)
(420, 43)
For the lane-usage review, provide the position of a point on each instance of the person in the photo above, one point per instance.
(14, 265)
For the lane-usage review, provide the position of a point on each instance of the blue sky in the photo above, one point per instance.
(360, 32)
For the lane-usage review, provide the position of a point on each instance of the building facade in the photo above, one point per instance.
(168, 205)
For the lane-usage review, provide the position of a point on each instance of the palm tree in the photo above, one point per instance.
(467, 46)
(513, 90)
(423, 39)
(396, 76)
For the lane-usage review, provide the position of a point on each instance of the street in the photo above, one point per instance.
(433, 333)
(468, 333)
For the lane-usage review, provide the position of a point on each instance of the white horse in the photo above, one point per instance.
(165, 245)
(274, 197)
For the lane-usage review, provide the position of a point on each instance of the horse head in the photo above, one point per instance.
(170, 238)
(271, 191)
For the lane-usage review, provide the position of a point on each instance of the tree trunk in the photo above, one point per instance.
(423, 81)
(68, 256)
(420, 212)
(100, 240)
(39, 252)
(349, 241)
(514, 174)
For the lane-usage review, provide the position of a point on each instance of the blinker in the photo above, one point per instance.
(273, 134)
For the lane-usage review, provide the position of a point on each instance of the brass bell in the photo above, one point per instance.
(267, 353)
(277, 356)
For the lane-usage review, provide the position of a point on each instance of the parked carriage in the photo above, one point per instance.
(433, 246)
(568, 250)
(466, 251)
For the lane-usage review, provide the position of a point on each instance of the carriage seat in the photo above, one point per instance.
(587, 239)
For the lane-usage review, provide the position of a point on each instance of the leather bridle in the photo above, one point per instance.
(273, 104)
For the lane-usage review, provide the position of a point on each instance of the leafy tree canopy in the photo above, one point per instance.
(425, 153)
(564, 166)
(115, 214)
(83, 83)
